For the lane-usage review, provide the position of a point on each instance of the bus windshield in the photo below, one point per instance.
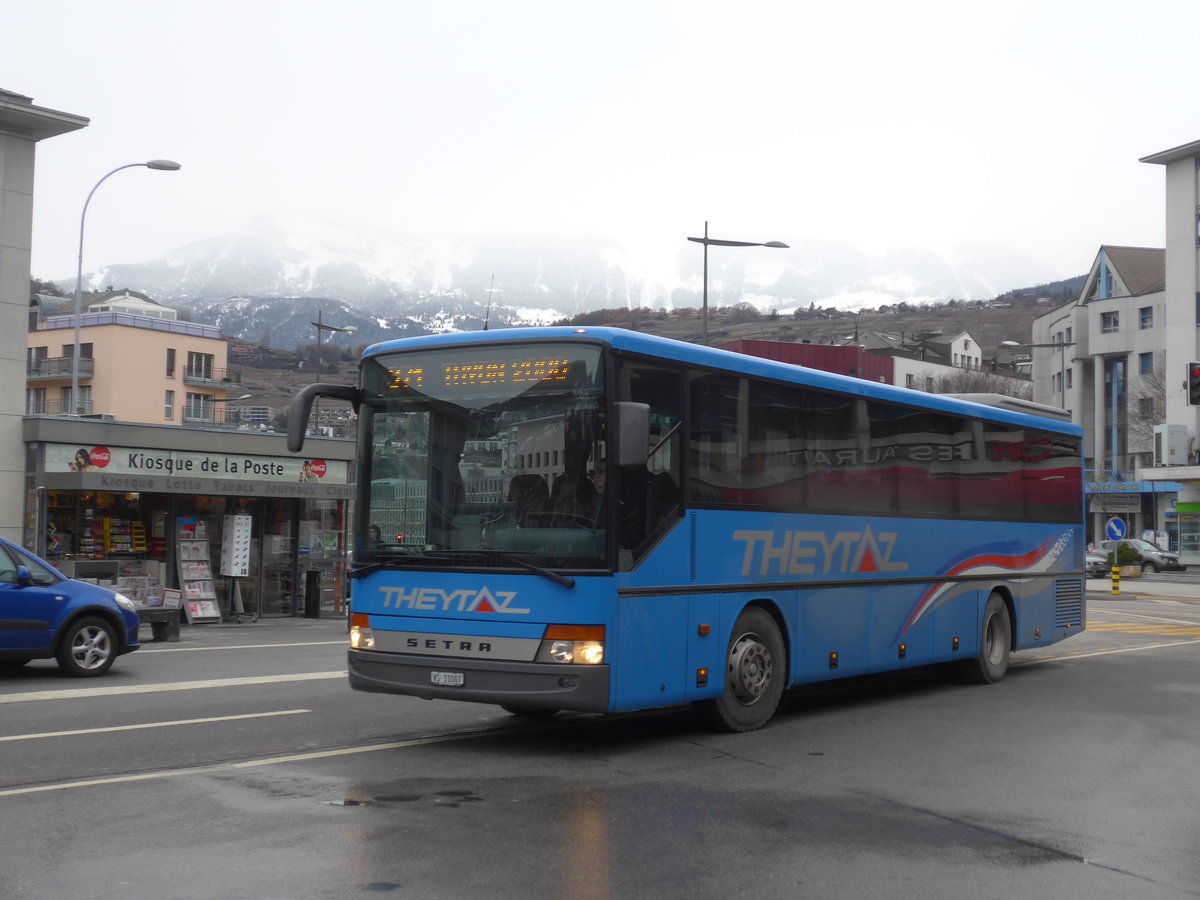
(483, 457)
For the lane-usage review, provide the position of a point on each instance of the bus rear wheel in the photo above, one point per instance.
(755, 672)
(995, 641)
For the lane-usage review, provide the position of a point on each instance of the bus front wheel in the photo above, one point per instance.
(755, 672)
(995, 641)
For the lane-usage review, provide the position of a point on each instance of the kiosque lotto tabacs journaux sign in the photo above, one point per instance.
(242, 466)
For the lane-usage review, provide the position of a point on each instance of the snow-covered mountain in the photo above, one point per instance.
(274, 280)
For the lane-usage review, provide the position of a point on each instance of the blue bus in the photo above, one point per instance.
(600, 520)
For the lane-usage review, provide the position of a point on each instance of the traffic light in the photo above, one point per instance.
(1193, 384)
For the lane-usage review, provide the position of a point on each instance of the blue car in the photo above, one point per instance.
(45, 615)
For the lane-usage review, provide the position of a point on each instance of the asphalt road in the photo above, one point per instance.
(238, 764)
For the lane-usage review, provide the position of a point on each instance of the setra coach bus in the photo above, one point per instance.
(599, 520)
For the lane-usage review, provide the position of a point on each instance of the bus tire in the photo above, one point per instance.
(754, 676)
(530, 712)
(995, 641)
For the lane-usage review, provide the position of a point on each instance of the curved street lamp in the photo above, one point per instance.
(162, 165)
(718, 242)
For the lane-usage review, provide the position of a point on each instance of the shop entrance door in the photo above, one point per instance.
(279, 593)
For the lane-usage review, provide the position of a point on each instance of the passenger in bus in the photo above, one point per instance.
(374, 537)
(530, 499)
(573, 499)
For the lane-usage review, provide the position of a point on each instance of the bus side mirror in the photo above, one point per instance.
(302, 405)
(633, 433)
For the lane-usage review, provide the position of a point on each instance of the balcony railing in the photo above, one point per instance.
(58, 367)
(58, 408)
(210, 376)
(210, 415)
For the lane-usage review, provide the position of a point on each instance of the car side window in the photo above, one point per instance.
(8, 569)
(40, 575)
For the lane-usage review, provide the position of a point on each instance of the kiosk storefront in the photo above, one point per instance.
(157, 508)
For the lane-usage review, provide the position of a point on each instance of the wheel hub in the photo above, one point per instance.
(750, 669)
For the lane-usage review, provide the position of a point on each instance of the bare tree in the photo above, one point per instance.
(977, 381)
(1147, 406)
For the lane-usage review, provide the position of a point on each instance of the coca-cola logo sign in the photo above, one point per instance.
(100, 457)
(317, 467)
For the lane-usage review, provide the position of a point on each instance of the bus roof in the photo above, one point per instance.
(995, 407)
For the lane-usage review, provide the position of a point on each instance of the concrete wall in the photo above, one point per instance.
(22, 125)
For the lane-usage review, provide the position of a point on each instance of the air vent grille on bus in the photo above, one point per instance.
(1068, 603)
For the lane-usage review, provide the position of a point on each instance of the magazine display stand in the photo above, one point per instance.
(195, 572)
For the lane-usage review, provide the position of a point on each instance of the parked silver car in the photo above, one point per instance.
(1152, 559)
(1096, 564)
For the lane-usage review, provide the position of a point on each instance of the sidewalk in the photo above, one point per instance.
(326, 628)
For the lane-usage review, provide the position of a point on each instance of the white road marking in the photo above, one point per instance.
(1151, 618)
(250, 764)
(1072, 656)
(146, 648)
(51, 734)
(162, 687)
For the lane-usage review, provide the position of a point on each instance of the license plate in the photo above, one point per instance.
(447, 679)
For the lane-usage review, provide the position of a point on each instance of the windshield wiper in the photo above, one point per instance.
(565, 580)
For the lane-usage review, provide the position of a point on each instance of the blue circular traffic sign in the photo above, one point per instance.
(1115, 528)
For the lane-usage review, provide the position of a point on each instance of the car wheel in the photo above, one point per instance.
(1149, 568)
(87, 648)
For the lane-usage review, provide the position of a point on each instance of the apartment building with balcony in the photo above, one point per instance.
(138, 362)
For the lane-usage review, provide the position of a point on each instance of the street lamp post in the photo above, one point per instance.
(217, 400)
(321, 326)
(162, 165)
(718, 242)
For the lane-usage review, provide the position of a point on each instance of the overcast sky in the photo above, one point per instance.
(923, 124)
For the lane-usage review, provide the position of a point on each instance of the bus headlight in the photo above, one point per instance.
(361, 637)
(581, 645)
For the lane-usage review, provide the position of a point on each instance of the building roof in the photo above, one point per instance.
(1183, 151)
(1141, 270)
(19, 116)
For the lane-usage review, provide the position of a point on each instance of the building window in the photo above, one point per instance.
(198, 408)
(85, 351)
(1145, 363)
(910, 381)
(1146, 407)
(35, 401)
(1110, 322)
(169, 405)
(1146, 317)
(200, 365)
(1070, 379)
(170, 362)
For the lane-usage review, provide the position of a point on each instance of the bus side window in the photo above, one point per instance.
(650, 499)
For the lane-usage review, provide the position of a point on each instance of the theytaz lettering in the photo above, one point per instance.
(816, 552)
(437, 600)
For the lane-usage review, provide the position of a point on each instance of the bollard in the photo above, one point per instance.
(1116, 580)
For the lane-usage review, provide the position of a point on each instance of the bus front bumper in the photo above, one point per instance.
(509, 684)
